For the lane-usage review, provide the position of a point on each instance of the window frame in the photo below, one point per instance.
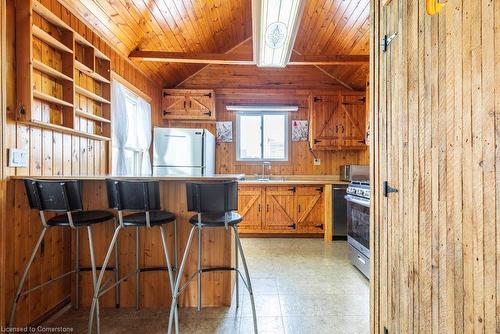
(261, 114)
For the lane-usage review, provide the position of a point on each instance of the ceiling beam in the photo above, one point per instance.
(238, 59)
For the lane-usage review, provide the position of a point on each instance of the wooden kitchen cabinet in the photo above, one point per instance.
(281, 209)
(250, 204)
(309, 205)
(188, 104)
(338, 121)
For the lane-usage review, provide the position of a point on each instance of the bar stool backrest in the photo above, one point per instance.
(56, 196)
(218, 197)
(133, 195)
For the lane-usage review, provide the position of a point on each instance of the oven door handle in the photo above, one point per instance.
(359, 201)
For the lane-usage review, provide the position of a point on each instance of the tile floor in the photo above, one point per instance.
(301, 286)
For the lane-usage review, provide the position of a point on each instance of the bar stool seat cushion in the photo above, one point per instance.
(156, 218)
(217, 219)
(81, 218)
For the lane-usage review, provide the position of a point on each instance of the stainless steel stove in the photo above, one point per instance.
(358, 225)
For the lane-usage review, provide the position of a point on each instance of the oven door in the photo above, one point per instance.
(358, 223)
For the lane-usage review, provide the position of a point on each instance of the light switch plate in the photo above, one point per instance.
(317, 162)
(18, 157)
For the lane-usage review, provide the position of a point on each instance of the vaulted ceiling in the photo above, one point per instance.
(328, 27)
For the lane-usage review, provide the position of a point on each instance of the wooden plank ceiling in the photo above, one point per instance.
(328, 27)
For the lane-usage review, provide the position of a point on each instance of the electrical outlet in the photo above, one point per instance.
(18, 157)
(317, 162)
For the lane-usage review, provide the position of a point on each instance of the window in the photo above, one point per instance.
(262, 136)
(131, 133)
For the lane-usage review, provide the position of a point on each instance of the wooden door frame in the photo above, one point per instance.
(374, 151)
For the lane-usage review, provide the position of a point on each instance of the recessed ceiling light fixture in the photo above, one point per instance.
(275, 25)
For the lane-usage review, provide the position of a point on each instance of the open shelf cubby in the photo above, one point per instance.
(66, 82)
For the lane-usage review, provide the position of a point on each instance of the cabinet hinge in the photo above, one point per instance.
(387, 40)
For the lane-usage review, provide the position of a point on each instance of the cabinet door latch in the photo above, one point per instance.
(388, 189)
(386, 41)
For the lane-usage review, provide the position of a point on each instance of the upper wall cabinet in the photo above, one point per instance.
(338, 121)
(188, 104)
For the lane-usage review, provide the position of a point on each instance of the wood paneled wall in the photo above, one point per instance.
(51, 153)
(54, 153)
(300, 158)
(436, 117)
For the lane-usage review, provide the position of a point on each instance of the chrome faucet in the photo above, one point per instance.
(264, 176)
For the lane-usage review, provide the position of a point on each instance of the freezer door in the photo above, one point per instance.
(209, 153)
(178, 147)
(167, 171)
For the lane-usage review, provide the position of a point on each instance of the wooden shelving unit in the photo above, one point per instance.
(59, 68)
(51, 99)
(38, 65)
(90, 95)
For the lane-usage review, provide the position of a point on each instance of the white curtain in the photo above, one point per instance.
(120, 126)
(144, 135)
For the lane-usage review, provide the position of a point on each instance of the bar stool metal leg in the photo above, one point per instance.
(117, 270)
(170, 274)
(77, 269)
(175, 294)
(94, 276)
(25, 274)
(247, 275)
(236, 273)
(176, 249)
(95, 299)
(198, 273)
(137, 270)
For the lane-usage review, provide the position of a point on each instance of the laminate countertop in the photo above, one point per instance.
(241, 178)
(187, 178)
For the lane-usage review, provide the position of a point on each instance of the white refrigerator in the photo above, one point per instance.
(180, 151)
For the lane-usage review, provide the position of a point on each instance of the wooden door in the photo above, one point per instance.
(174, 104)
(250, 206)
(309, 206)
(201, 104)
(280, 209)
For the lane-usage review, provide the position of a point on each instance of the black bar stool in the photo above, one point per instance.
(216, 205)
(143, 197)
(63, 196)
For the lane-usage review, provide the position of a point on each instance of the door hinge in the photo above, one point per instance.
(292, 189)
(209, 114)
(292, 226)
(317, 141)
(319, 189)
(386, 41)
(317, 99)
(209, 95)
(166, 112)
(165, 94)
(388, 189)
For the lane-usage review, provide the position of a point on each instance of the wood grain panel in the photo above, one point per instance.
(301, 159)
(51, 153)
(435, 102)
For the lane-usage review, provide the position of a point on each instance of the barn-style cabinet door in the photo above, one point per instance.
(280, 209)
(309, 206)
(250, 206)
